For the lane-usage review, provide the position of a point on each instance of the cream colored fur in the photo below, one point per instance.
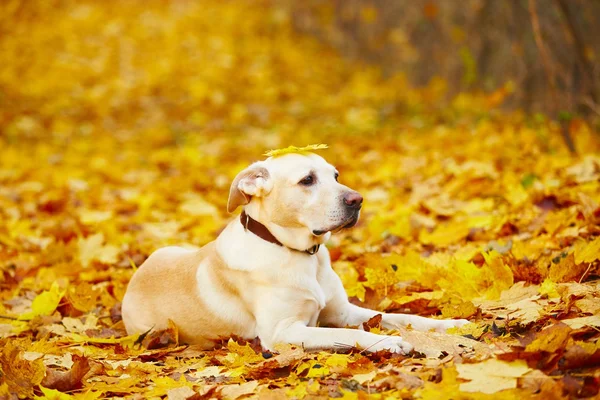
(243, 285)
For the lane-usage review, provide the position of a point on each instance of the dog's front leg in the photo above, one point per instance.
(390, 321)
(315, 338)
(287, 320)
(340, 312)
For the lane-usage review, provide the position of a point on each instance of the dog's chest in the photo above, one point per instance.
(320, 306)
(318, 294)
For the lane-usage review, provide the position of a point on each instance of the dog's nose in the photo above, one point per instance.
(353, 199)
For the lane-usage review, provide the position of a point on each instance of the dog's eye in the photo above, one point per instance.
(307, 180)
(336, 176)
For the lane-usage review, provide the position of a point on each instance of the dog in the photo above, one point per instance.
(268, 273)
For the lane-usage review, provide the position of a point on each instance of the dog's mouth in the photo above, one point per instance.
(347, 223)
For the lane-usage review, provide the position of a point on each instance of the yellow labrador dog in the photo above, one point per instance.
(267, 274)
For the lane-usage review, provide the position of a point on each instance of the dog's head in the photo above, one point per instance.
(293, 194)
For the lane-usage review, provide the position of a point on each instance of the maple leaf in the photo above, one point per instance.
(499, 225)
(580, 322)
(20, 375)
(232, 392)
(294, 149)
(92, 249)
(550, 339)
(549, 288)
(69, 380)
(587, 252)
(445, 234)
(45, 303)
(161, 385)
(491, 376)
(53, 394)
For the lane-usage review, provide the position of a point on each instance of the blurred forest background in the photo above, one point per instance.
(548, 49)
(470, 128)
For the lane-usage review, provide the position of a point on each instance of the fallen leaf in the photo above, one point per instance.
(491, 376)
(67, 381)
(92, 249)
(180, 393)
(550, 339)
(580, 322)
(587, 252)
(435, 344)
(20, 375)
(232, 392)
(45, 303)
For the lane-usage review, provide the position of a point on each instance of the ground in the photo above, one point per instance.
(121, 128)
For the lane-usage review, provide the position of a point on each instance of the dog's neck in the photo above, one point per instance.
(243, 250)
(252, 225)
(297, 238)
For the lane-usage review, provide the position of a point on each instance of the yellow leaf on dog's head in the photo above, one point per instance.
(294, 149)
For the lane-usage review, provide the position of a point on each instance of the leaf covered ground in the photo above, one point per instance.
(122, 125)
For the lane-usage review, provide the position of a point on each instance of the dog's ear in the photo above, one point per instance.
(253, 181)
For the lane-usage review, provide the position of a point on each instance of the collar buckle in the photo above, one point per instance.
(313, 250)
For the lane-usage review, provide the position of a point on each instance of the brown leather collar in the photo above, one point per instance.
(262, 232)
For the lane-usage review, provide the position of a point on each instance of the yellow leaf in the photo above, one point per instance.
(91, 217)
(380, 278)
(45, 303)
(197, 206)
(368, 14)
(4, 390)
(473, 329)
(498, 276)
(127, 341)
(362, 378)
(315, 368)
(232, 392)
(548, 288)
(587, 252)
(20, 374)
(461, 309)
(92, 249)
(349, 276)
(492, 375)
(162, 384)
(337, 360)
(580, 322)
(298, 392)
(294, 149)
(239, 355)
(84, 296)
(550, 339)
(445, 234)
(52, 394)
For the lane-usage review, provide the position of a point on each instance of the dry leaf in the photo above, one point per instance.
(491, 376)
(111, 149)
(67, 381)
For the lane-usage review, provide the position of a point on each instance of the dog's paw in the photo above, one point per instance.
(395, 344)
(443, 324)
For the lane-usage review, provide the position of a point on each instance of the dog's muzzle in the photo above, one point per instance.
(352, 203)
